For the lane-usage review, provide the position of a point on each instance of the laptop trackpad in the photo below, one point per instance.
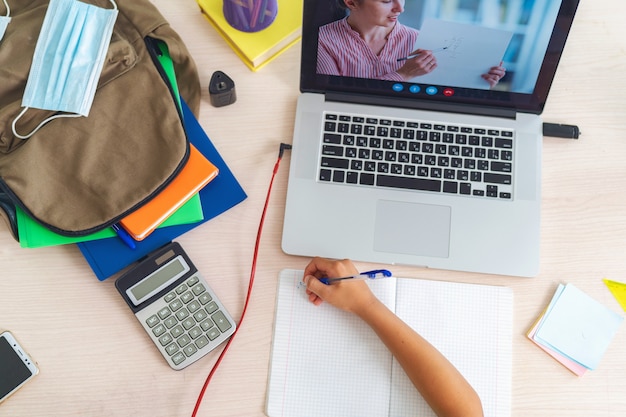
(412, 228)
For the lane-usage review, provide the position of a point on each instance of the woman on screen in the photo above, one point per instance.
(371, 43)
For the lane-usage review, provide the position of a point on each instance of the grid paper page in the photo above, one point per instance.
(356, 376)
(326, 362)
(472, 326)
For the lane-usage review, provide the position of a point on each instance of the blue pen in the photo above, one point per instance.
(123, 234)
(404, 58)
(375, 274)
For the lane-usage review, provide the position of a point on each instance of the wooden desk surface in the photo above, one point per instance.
(95, 359)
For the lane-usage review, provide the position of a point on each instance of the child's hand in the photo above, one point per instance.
(352, 296)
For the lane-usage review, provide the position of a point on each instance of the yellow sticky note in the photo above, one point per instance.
(618, 290)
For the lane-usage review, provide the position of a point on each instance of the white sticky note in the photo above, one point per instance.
(579, 327)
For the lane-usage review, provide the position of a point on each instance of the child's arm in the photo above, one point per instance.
(437, 380)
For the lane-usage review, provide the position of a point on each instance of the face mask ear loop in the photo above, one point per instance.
(9, 9)
(112, 2)
(56, 116)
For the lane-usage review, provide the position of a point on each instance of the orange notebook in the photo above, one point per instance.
(196, 173)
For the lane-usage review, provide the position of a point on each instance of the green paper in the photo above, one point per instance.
(34, 235)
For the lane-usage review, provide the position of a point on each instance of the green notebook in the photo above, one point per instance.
(35, 235)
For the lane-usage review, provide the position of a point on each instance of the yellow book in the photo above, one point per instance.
(256, 49)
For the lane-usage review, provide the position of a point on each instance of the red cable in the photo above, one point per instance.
(252, 273)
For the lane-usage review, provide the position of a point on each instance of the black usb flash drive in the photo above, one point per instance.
(561, 131)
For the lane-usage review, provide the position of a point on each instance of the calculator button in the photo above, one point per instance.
(170, 322)
(159, 330)
(222, 322)
(183, 341)
(187, 297)
(213, 333)
(176, 305)
(204, 298)
(188, 323)
(198, 289)
(200, 315)
(195, 332)
(178, 358)
(193, 280)
(181, 288)
(190, 350)
(212, 307)
(164, 312)
(165, 339)
(202, 342)
(152, 321)
(182, 314)
(206, 325)
(177, 331)
(169, 297)
(172, 348)
(193, 306)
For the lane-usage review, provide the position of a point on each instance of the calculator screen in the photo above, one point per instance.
(158, 280)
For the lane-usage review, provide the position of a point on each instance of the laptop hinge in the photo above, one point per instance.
(421, 105)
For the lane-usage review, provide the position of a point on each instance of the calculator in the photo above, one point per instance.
(175, 305)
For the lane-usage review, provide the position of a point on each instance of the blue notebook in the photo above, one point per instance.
(109, 256)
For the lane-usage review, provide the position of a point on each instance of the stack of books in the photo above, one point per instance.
(109, 256)
(257, 49)
(575, 329)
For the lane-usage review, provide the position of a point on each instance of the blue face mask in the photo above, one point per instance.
(4, 20)
(68, 59)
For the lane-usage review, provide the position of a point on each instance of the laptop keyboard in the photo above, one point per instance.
(417, 155)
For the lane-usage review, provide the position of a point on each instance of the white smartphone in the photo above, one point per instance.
(16, 366)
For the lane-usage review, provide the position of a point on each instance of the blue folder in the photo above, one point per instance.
(109, 256)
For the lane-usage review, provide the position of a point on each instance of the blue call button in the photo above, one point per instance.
(430, 90)
(415, 89)
(398, 87)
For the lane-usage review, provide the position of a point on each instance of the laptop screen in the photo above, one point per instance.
(495, 53)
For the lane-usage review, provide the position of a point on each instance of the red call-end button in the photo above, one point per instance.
(448, 92)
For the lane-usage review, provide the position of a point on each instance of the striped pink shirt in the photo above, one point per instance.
(342, 51)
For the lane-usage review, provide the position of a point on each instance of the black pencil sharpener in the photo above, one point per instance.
(222, 89)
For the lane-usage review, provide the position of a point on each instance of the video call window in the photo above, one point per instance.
(464, 36)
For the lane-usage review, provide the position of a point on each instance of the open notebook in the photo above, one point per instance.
(326, 362)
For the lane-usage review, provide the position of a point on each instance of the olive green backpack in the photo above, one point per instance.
(79, 175)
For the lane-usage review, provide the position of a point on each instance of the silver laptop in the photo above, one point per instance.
(439, 170)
